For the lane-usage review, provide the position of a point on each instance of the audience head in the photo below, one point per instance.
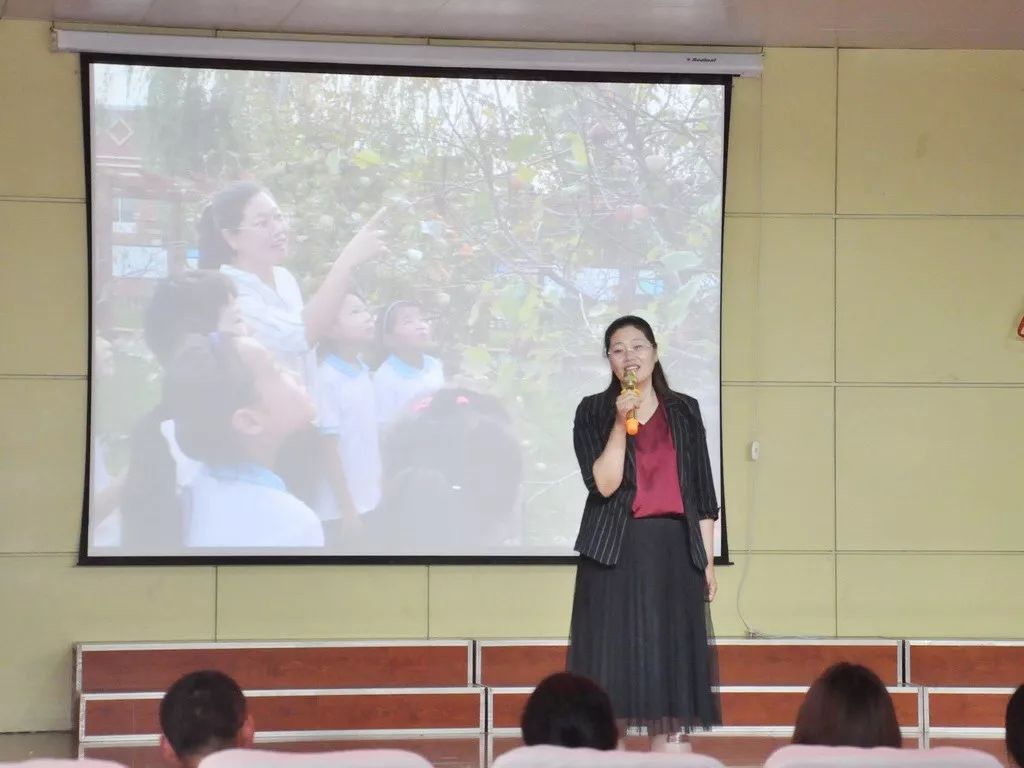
(198, 301)
(569, 710)
(847, 706)
(1015, 727)
(203, 712)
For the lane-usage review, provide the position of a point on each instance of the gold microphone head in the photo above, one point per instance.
(629, 379)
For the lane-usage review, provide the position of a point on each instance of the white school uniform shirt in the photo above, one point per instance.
(246, 505)
(396, 384)
(274, 317)
(345, 410)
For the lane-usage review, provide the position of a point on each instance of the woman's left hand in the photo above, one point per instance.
(712, 582)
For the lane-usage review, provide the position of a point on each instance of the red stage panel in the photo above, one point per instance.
(509, 664)
(965, 664)
(130, 668)
(964, 708)
(753, 662)
(506, 663)
(427, 709)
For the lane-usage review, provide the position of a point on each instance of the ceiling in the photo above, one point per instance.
(815, 23)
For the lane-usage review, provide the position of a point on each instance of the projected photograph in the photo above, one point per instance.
(353, 314)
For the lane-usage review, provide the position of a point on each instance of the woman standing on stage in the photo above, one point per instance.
(640, 620)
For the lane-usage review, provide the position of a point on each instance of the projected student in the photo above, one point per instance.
(243, 233)
(453, 467)
(407, 371)
(193, 302)
(640, 622)
(346, 415)
(233, 407)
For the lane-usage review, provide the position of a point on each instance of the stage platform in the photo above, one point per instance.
(458, 701)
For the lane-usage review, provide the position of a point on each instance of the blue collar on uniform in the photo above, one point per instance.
(247, 472)
(405, 370)
(352, 370)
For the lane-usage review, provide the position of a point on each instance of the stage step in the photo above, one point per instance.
(519, 663)
(953, 712)
(308, 713)
(745, 709)
(143, 667)
(965, 663)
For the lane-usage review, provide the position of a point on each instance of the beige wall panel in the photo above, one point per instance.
(501, 601)
(42, 443)
(785, 499)
(43, 294)
(799, 139)
(929, 469)
(41, 120)
(929, 300)
(743, 164)
(921, 595)
(321, 602)
(782, 594)
(933, 132)
(47, 605)
(778, 299)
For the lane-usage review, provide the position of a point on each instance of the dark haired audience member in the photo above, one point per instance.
(569, 710)
(1015, 727)
(202, 713)
(847, 706)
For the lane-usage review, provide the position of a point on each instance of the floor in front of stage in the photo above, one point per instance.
(443, 752)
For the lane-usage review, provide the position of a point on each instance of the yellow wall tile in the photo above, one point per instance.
(799, 139)
(930, 132)
(41, 120)
(784, 500)
(321, 602)
(48, 604)
(777, 304)
(921, 595)
(43, 294)
(501, 601)
(41, 474)
(929, 469)
(782, 594)
(929, 300)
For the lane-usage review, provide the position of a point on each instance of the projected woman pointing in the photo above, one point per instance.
(244, 234)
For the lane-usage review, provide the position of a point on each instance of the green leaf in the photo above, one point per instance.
(367, 158)
(678, 260)
(476, 361)
(333, 161)
(579, 149)
(522, 147)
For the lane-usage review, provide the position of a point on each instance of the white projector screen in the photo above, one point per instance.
(349, 314)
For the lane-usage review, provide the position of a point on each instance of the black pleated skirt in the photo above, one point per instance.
(642, 630)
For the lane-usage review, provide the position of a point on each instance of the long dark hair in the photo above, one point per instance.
(224, 211)
(658, 379)
(569, 710)
(848, 706)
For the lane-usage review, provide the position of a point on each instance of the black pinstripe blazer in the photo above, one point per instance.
(604, 519)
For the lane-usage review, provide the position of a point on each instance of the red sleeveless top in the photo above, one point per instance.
(657, 473)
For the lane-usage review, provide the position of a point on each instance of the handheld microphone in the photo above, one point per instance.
(629, 385)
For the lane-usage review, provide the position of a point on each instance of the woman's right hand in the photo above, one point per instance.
(625, 404)
(367, 243)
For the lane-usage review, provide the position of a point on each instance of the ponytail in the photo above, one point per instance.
(225, 211)
(150, 511)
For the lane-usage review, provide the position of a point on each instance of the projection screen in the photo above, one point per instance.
(350, 314)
